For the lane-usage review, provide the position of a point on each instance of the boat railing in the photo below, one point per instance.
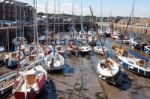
(32, 65)
(7, 76)
(12, 74)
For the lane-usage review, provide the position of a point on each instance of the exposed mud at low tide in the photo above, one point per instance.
(80, 81)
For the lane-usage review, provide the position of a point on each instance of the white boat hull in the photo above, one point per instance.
(54, 62)
(131, 65)
(108, 71)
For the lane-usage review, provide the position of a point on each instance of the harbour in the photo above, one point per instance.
(48, 54)
(63, 85)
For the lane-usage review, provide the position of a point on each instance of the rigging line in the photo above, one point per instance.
(16, 16)
(128, 22)
(36, 23)
(81, 16)
(58, 19)
(97, 34)
(101, 16)
(34, 11)
(54, 25)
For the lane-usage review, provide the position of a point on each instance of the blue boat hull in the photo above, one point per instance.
(136, 70)
(11, 63)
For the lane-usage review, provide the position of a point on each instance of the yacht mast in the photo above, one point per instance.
(73, 28)
(54, 25)
(63, 22)
(132, 13)
(81, 17)
(59, 16)
(46, 11)
(98, 35)
(34, 30)
(35, 22)
(101, 17)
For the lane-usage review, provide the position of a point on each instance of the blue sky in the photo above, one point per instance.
(118, 7)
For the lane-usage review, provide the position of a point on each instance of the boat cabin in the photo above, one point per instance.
(32, 57)
(14, 55)
(59, 48)
(31, 79)
(141, 63)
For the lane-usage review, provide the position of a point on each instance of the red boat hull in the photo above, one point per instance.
(31, 95)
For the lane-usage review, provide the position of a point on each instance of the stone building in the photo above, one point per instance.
(12, 10)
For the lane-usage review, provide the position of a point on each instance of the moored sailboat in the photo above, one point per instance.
(100, 49)
(30, 83)
(11, 60)
(84, 48)
(54, 62)
(135, 65)
(108, 70)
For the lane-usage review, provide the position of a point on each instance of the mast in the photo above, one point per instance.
(59, 16)
(46, 11)
(101, 17)
(34, 30)
(132, 13)
(98, 35)
(59, 23)
(81, 17)
(73, 30)
(23, 22)
(131, 19)
(47, 22)
(63, 22)
(54, 25)
(35, 22)
(15, 16)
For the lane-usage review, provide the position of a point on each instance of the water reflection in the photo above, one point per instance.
(125, 81)
(68, 70)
